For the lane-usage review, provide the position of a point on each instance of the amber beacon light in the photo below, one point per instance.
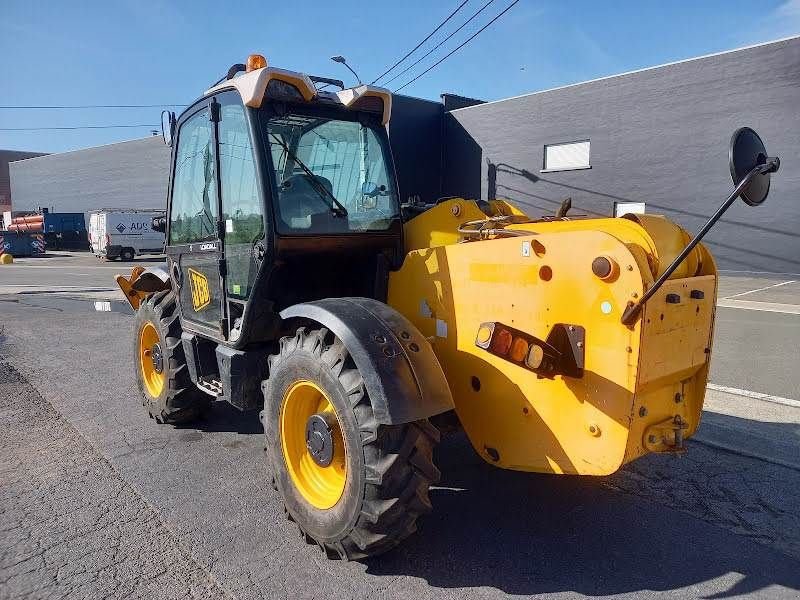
(256, 61)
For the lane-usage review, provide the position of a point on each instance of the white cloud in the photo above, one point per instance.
(790, 8)
(782, 22)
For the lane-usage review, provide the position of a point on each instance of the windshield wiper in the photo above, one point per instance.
(337, 208)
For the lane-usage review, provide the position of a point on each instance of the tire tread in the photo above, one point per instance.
(183, 402)
(398, 458)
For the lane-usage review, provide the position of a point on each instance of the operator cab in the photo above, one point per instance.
(280, 193)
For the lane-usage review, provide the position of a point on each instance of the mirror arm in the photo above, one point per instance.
(633, 310)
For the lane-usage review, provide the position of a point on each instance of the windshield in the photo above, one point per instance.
(331, 175)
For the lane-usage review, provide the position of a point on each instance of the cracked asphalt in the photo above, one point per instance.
(97, 501)
(72, 527)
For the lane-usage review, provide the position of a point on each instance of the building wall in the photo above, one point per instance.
(6, 157)
(659, 136)
(125, 175)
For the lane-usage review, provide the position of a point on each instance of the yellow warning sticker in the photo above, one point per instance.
(201, 297)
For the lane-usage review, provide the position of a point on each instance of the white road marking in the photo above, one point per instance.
(54, 287)
(769, 287)
(754, 395)
(790, 309)
(123, 267)
(759, 273)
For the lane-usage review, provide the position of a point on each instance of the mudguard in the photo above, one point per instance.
(402, 375)
(142, 283)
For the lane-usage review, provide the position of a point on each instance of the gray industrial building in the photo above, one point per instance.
(6, 157)
(657, 136)
(125, 175)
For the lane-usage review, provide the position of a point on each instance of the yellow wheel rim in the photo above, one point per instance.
(151, 361)
(322, 485)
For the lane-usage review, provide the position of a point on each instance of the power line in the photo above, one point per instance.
(450, 16)
(439, 45)
(456, 49)
(89, 106)
(69, 128)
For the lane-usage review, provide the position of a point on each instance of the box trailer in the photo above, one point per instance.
(124, 233)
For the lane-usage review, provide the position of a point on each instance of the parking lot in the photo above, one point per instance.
(96, 499)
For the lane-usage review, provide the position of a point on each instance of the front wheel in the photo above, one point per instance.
(354, 488)
(166, 389)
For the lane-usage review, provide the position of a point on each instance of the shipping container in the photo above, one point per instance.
(62, 231)
(19, 244)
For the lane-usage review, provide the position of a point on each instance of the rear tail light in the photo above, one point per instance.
(561, 354)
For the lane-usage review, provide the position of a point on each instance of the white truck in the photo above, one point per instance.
(124, 233)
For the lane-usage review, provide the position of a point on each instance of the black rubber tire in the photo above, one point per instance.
(180, 401)
(390, 467)
(127, 254)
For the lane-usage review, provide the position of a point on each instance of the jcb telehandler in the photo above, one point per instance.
(295, 283)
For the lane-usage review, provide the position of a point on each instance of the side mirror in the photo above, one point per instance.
(159, 224)
(747, 152)
(168, 122)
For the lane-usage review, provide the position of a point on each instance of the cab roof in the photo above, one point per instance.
(256, 84)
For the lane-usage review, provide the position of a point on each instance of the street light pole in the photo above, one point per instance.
(341, 60)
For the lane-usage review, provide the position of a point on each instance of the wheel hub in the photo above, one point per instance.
(157, 357)
(319, 439)
(312, 444)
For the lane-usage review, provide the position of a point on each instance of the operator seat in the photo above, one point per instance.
(299, 200)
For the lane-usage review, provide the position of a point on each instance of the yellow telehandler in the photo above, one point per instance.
(295, 283)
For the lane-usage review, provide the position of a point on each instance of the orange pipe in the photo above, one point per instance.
(28, 219)
(26, 227)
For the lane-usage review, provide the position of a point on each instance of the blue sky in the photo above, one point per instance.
(154, 52)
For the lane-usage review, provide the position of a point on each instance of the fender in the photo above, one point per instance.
(142, 283)
(402, 375)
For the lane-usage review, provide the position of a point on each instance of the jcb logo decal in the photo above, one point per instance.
(200, 294)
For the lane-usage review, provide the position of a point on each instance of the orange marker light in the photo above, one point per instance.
(519, 349)
(255, 61)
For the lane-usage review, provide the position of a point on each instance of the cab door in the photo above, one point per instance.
(194, 245)
(242, 208)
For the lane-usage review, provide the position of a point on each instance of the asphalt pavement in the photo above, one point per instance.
(96, 500)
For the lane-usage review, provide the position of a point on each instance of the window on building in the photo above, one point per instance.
(567, 156)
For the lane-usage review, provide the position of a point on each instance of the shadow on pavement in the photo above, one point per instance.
(224, 417)
(534, 534)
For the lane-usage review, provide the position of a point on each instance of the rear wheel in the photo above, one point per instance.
(166, 389)
(354, 488)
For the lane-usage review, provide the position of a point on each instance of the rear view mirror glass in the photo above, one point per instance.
(746, 152)
(159, 224)
(167, 126)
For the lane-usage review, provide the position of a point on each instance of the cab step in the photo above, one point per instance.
(211, 386)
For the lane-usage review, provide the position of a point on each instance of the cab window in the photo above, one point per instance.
(194, 192)
(331, 175)
(241, 202)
